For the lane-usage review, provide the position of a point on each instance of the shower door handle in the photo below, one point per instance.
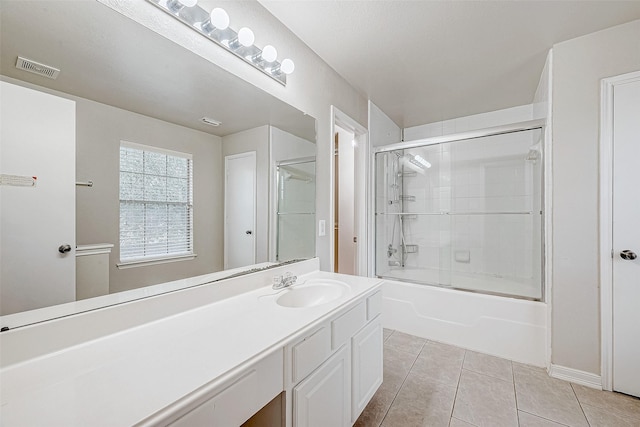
(628, 255)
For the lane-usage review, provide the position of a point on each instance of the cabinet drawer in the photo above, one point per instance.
(310, 353)
(345, 326)
(374, 305)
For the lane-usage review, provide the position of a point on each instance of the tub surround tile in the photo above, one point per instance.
(621, 404)
(539, 394)
(528, 420)
(488, 365)
(439, 362)
(603, 417)
(485, 401)
(405, 342)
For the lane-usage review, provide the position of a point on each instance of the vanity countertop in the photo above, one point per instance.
(123, 378)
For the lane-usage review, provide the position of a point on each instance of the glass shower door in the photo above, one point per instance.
(464, 214)
(296, 183)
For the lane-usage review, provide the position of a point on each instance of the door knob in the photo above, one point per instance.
(248, 232)
(628, 255)
(63, 249)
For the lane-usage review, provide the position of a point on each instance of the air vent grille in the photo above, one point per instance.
(37, 68)
(210, 122)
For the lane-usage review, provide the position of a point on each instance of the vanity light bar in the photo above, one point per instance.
(215, 27)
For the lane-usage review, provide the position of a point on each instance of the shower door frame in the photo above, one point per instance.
(546, 196)
(275, 200)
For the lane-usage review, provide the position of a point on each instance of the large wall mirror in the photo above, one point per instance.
(111, 181)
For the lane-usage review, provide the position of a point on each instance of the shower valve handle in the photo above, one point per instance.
(628, 255)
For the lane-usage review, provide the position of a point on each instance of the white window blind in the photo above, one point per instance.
(156, 203)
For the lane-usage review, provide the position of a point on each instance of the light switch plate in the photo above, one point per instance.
(322, 228)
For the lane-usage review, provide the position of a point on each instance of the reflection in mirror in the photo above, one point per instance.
(127, 118)
(296, 208)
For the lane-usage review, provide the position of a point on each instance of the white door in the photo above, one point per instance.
(37, 139)
(626, 238)
(240, 210)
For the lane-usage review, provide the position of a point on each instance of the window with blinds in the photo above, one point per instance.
(156, 203)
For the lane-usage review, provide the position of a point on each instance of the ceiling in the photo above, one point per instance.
(106, 57)
(426, 61)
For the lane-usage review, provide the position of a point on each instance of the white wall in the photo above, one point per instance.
(312, 88)
(100, 130)
(578, 67)
(256, 139)
(285, 146)
(540, 106)
(382, 130)
(463, 124)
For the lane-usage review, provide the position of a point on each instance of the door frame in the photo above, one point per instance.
(606, 223)
(361, 188)
(226, 204)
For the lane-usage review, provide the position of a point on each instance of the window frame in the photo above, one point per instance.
(169, 257)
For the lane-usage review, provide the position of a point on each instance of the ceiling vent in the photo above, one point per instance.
(37, 68)
(210, 122)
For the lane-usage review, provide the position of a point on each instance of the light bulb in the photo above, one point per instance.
(245, 36)
(219, 18)
(269, 53)
(188, 3)
(287, 66)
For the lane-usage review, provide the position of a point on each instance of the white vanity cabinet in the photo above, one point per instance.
(366, 374)
(322, 399)
(238, 399)
(335, 368)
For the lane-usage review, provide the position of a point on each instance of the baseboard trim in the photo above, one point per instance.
(576, 376)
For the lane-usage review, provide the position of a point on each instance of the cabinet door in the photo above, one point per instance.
(367, 366)
(323, 398)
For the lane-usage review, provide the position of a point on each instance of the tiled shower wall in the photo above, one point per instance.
(476, 182)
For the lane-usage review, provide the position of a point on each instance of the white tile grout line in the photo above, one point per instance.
(403, 380)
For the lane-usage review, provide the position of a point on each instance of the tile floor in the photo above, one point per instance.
(427, 383)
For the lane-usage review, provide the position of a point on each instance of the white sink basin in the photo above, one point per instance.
(312, 293)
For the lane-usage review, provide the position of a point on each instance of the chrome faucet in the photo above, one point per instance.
(285, 281)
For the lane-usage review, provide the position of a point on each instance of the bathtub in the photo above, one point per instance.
(510, 328)
(477, 282)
